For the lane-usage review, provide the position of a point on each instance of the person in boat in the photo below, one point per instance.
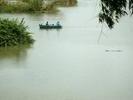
(47, 23)
(58, 23)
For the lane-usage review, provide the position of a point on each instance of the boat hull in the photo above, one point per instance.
(49, 27)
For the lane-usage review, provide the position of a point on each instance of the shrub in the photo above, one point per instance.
(29, 6)
(35, 5)
(15, 8)
(14, 33)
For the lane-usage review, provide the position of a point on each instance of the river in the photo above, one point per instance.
(71, 63)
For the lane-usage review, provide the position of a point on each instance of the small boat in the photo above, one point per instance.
(50, 26)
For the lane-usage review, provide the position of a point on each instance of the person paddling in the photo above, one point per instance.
(58, 23)
(47, 23)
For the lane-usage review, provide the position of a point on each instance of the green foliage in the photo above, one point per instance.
(18, 7)
(26, 6)
(13, 33)
(14, 8)
(2, 2)
(25, 1)
(113, 10)
(35, 5)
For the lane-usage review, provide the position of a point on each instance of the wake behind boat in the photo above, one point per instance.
(50, 26)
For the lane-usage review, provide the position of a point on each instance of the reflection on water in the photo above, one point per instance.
(16, 54)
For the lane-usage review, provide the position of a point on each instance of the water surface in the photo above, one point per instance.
(70, 64)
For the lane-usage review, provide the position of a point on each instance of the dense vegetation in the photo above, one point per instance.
(25, 6)
(113, 10)
(13, 33)
(18, 6)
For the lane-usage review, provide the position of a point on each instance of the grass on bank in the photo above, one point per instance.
(22, 6)
(31, 6)
(14, 33)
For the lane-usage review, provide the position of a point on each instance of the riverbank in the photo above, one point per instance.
(25, 6)
(33, 6)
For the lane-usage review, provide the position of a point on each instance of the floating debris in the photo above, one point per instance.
(113, 50)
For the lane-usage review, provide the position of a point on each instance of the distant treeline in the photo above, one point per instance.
(13, 32)
(24, 6)
(11, 6)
